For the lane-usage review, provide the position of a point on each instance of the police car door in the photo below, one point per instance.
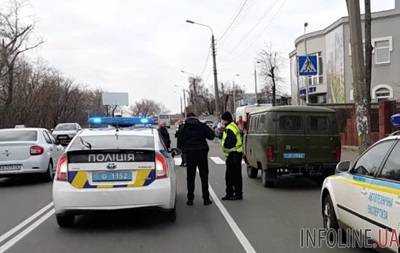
(384, 202)
(352, 189)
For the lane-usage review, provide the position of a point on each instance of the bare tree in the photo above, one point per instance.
(358, 67)
(147, 107)
(15, 40)
(271, 63)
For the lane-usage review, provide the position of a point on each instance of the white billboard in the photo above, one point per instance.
(115, 98)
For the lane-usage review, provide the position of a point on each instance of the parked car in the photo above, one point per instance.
(292, 140)
(64, 132)
(28, 151)
(364, 195)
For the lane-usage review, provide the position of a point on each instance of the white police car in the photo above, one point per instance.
(365, 195)
(112, 169)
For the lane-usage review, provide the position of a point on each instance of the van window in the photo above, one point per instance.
(261, 124)
(290, 123)
(319, 124)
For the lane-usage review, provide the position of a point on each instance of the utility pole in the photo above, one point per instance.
(216, 92)
(357, 57)
(272, 75)
(184, 102)
(255, 83)
(305, 50)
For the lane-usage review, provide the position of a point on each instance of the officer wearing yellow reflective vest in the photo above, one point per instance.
(232, 146)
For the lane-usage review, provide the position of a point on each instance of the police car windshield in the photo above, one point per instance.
(65, 127)
(111, 142)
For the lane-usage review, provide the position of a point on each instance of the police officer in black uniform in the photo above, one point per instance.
(193, 138)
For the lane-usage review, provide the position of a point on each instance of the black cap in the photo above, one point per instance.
(227, 116)
(190, 114)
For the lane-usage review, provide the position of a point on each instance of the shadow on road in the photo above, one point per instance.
(21, 181)
(134, 219)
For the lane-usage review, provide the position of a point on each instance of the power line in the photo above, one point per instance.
(206, 62)
(268, 11)
(263, 31)
(234, 19)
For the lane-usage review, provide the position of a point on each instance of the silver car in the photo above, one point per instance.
(64, 132)
(27, 151)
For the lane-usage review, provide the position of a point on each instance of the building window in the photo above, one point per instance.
(382, 49)
(382, 92)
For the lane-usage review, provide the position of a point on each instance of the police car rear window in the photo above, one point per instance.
(12, 135)
(112, 142)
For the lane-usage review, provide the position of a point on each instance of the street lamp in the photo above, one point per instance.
(214, 64)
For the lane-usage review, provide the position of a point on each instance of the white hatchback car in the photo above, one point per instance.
(27, 151)
(364, 195)
(112, 169)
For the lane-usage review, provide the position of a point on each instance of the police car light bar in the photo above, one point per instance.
(121, 121)
(396, 120)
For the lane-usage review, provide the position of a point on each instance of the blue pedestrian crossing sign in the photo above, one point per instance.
(308, 65)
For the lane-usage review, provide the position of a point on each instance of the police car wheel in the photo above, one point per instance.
(171, 214)
(252, 172)
(65, 220)
(328, 214)
(267, 179)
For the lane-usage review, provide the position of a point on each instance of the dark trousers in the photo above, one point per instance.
(233, 174)
(197, 159)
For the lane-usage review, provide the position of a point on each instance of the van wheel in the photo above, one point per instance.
(252, 172)
(268, 178)
(65, 220)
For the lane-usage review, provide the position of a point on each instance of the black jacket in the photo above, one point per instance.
(194, 135)
(165, 136)
(230, 140)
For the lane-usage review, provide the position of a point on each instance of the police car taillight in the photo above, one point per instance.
(161, 166)
(61, 169)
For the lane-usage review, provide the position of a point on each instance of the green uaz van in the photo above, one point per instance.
(292, 140)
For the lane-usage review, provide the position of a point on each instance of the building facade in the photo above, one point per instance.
(333, 84)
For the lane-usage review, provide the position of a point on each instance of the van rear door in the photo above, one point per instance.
(321, 138)
(290, 138)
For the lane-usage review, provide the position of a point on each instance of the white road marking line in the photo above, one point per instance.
(25, 222)
(231, 222)
(217, 160)
(21, 235)
(178, 160)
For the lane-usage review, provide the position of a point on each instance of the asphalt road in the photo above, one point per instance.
(267, 220)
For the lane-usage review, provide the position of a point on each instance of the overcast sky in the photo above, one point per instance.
(141, 46)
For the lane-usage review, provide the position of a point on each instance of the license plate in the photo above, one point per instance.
(294, 156)
(62, 137)
(10, 167)
(111, 176)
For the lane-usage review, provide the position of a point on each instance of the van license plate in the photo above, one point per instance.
(294, 156)
(114, 176)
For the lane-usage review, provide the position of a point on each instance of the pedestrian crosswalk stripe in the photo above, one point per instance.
(217, 160)
(178, 160)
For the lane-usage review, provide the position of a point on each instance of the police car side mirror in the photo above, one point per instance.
(343, 166)
(175, 152)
